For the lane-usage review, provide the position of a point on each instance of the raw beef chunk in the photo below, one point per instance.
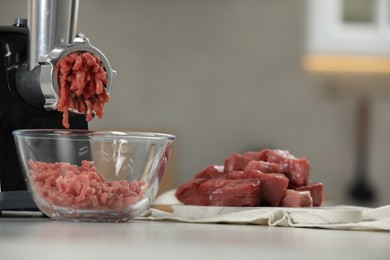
(236, 162)
(225, 192)
(263, 178)
(212, 171)
(235, 175)
(316, 191)
(297, 199)
(188, 192)
(263, 166)
(296, 169)
(253, 155)
(273, 186)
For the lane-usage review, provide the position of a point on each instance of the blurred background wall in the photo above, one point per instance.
(226, 76)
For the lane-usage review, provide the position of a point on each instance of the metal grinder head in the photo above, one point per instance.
(52, 28)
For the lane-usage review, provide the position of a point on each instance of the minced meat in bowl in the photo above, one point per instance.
(84, 175)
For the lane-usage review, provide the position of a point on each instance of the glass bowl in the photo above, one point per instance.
(83, 175)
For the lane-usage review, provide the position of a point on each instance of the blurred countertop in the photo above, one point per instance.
(36, 237)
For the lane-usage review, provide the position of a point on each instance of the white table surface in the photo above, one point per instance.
(25, 238)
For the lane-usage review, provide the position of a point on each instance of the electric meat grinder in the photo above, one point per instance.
(29, 52)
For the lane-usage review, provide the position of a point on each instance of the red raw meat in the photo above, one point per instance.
(266, 167)
(188, 192)
(82, 84)
(236, 162)
(273, 185)
(261, 155)
(224, 192)
(252, 155)
(211, 171)
(296, 169)
(236, 175)
(283, 180)
(316, 191)
(297, 199)
(81, 187)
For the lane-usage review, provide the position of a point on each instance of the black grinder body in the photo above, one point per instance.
(18, 114)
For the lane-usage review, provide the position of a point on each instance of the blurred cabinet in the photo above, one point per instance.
(348, 27)
(348, 39)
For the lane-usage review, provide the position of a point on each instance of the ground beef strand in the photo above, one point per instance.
(82, 85)
(81, 187)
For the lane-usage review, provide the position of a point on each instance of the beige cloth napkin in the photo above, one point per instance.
(338, 217)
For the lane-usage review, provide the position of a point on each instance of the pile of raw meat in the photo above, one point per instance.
(265, 178)
(82, 85)
(81, 187)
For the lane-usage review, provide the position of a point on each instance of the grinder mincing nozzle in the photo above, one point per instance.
(49, 76)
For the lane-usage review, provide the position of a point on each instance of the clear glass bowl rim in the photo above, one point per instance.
(91, 134)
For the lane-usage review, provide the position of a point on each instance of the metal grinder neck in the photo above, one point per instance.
(51, 23)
